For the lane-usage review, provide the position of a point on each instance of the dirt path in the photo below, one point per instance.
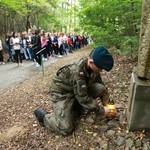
(11, 74)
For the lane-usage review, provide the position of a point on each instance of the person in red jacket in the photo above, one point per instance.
(70, 44)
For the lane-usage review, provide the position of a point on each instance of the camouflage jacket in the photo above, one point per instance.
(75, 79)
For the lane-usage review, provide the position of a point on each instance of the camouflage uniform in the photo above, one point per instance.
(72, 83)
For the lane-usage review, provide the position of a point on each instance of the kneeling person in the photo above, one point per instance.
(75, 87)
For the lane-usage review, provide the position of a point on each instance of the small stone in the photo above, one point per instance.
(132, 135)
(90, 120)
(112, 123)
(104, 144)
(120, 141)
(103, 128)
(129, 142)
(145, 140)
(138, 143)
(110, 133)
(145, 147)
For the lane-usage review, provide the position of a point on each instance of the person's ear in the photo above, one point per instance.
(91, 61)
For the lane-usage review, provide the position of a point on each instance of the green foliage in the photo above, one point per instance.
(20, 15)
(112, 23)
(14, 5)
(131, 44)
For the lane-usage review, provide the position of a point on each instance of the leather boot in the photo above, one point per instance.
(39, 114)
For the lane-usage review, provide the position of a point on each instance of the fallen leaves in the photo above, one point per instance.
(16, 131)
(18, 103)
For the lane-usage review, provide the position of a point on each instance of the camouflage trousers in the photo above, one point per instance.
(63, 119)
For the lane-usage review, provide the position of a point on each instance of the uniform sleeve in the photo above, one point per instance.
(98, 79)
(105, 95)
(80, 91)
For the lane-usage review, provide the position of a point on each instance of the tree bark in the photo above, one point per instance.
(144, 49)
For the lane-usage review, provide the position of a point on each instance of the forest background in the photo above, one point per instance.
(112, 23)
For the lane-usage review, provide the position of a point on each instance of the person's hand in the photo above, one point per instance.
(110, 110)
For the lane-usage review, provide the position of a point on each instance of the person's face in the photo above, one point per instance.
(29, 32)
(16, 34)
(94, 68)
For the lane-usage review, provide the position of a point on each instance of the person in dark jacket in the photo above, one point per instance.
(55, 44)
(36, 47)
(75, 86)
(49, 45)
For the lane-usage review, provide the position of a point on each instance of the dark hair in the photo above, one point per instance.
(37, 31)
(13, 34)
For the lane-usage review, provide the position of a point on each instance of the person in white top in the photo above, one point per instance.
(17, 47)
(60, 42)
(65, 43)
(1, 54)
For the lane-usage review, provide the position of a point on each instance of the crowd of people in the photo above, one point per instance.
(38, 44)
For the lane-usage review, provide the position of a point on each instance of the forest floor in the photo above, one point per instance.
(19, 129)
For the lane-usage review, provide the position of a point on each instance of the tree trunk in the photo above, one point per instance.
(144, 49)
(28, 25)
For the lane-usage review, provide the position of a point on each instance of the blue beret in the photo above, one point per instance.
(102, 58)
